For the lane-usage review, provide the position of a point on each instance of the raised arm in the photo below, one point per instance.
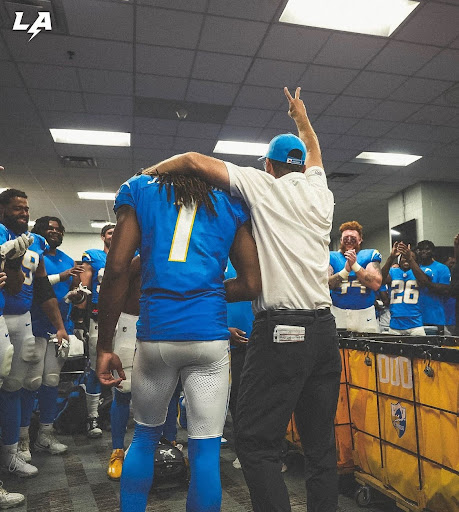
(297, 111)
(421, 278)
(386, 279)
(210, 169)
(244, 257)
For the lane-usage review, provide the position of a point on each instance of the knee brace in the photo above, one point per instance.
(33, 383)
(5, 361)
(28, 350)
(51, 380)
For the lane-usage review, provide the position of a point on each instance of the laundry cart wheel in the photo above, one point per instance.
(363, 496)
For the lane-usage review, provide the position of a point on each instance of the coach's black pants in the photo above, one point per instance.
(279, 378)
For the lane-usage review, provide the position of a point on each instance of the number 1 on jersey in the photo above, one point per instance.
(182, 233)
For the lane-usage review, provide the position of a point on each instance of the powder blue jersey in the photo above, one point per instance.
(432, 305)
(183, 259)
(239, 313)
(351, 294)
(405, 309)
(54, 265)
(4, 237)
(22, 302)
(97, 259)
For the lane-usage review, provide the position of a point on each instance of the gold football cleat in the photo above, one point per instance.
(115, 466)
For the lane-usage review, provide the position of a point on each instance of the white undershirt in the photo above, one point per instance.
(291, 219)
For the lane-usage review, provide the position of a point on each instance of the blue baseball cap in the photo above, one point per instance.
(281, 147)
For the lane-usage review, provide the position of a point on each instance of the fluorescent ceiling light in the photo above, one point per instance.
(91, 137)
(232, 147)
(104, 196)
(394, 232)
(99, 223)
(377, 17)
(370, 157)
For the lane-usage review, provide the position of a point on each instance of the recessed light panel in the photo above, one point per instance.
(104, 196)
(399, 159)
(91, 137)
(376, 17)
(231, 147)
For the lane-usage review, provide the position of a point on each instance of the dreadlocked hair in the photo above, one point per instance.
(188, 190)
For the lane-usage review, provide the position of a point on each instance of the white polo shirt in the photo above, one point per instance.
(291, 218)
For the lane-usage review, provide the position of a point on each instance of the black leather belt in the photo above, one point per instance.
(292, 312)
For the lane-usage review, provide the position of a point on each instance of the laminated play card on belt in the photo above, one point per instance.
(288, 334)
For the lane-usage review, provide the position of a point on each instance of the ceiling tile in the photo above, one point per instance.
(4, 53)
(281, 120)
(107, 82)
(161, 87)
(420, 90)
(411, 147)
(260, 10)
(49, 77)
(159, 126)
(225, 35)
(152, 141)
(241, 133)
(292, 43)
(9, 76)
(198, 130)
(211, 92)
(431, 23)
(374, 85)
(349, 50)
(393, 111)
(58, 100)
(99, 19)
(353, 142)
(403, 58)
(326, 79)
(204, 146)
(351, 106)
(220, 67)
(167, 27)
(260, 97)
(445, 66)
(274, 73)
(432, 114)
(339, 155)
(371, 127)
(333, 124)
(184, 5)
(158, 60)
(107, 104)
(424, 133)
(249, 116)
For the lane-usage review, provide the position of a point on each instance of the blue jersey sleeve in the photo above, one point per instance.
(124, 195)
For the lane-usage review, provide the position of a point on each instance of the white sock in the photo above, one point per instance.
(24, 433)
(45, 428)
(92, 405)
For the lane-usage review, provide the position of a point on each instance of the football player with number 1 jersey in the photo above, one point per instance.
(404, 281)
(354, 277)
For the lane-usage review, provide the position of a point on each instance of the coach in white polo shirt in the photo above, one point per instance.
(293, 361)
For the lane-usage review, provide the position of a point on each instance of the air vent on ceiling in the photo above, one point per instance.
(167, 109)
(82, 162)
(31, 8)
(341, 177)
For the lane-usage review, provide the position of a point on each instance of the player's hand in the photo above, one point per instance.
(456, 241)
(60, 335)
(395, 252)
(2, 280)
(106, 363)
(296, 108)
(71, 272)
(351, 257)
(406, 252)
(13, 249)
(237, 336)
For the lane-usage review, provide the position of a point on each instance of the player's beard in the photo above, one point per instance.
(11, 222)
(107, 244)
(343, 248)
